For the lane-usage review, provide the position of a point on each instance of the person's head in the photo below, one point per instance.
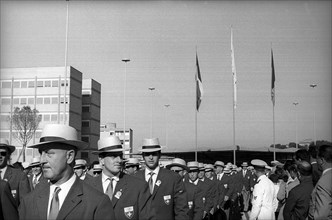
(35, 166)
(58, 146)
(179, 166)
(80, 167)
(292, 171)
(313, 151)
(208, 170)
(324, 157)
(259, 167)
(193, 170)
(5, 152)
(219, 167)
(201, 173)
(274, 178)
(132, 165)
(244, 166)
(151, 152)
(304, 169)
(301, 154)
(110, 154)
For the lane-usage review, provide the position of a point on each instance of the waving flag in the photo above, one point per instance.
(273, 80)
(199, 85)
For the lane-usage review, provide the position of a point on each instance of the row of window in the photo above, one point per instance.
(32, 84)
(31, 100)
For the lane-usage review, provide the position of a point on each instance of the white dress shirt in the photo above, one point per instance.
(154, 177)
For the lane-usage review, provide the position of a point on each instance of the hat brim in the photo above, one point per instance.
(10, 148)
(176, 165)
(107, 151)
(79, 145)
(151, 149)
(34, 164)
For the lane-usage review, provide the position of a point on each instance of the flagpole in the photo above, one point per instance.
(66, 57)
(234, 94)
(196, 159)
(274, 137)
(273, 101)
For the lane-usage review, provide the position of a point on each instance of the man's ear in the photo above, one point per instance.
(70, 156)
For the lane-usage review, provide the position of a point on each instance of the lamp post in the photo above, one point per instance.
(151, 127)
(313, 86)
(296, 141)
(166, 118)
(125, 60)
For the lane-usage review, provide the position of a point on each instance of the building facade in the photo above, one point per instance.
(56, 92)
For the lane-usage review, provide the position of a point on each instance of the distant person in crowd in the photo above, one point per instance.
(321, 197)
(208, 187)
(97, 169)
(179, 166)
(66, 196)
(297, 203)
(132, 166)
(316, 173)
(129, 195)
(263, 194)
(169, 197)
(36, 175)
(300, 155)
(8, 206)
(80, 168)
(209, 171)
(17, 179)
(247, 185)
(91, 166)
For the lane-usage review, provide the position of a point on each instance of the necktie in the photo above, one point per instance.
(151, 182)
(244, 173)
(54, 209)
(0, 175)
(109, 190)
(34, 182)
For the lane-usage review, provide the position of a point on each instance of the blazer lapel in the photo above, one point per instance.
(72, 199)
(42, 201)
(98, 184)
(158, 182)
(119, 189)
(8, 174)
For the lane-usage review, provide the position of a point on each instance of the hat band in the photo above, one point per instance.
(151, 147)
(110, 148)
(51, 138)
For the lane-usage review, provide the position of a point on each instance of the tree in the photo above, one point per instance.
(25, 121)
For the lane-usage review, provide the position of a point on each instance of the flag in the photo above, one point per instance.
(199, 85)
(233, 71)
(273, 80)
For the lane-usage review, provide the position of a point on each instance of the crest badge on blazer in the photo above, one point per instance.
(129, 212)
(167, 199)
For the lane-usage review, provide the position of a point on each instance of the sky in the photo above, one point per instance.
(161, 38)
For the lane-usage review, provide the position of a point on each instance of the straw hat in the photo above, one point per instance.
(35, 162)
(80, 163)
(201, 166)
(178, 162)
(244, 164)
(132, 162)
(109, 144)
(151, 145)
(208, 167)
(5, 143)
(60, 133)
(97, 167)
(193, 165)
(219, 163)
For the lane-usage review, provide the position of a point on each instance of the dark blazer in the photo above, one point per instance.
(209, 193)
(195, 202)
(247, 180)
(82, 202)
(130, 198)
(30, 179)
(18, 182)
(297, 203)
(8, 207)
(169, 197)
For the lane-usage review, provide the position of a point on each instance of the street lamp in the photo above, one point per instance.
(166, 118)
(313, 86)
(151, 89)
(296, 141)
(125, 60)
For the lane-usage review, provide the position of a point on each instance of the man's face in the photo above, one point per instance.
(193, 175)
(151, 159)
(131, 169)
(201, 174)
(4, 155)
(208, 174)
(36, 170)
(79, 171)
(55, 162)
(112, 163)
(178, 170)
(218, 169)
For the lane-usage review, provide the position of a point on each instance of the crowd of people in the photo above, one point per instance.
(57, 185)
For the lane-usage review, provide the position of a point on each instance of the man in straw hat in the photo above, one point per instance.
(169, 197)
(247, 183)
(263, 194)
(36, 173)
(17, 179)
(80, 168)
(179, 166)
(132, 165)
(66, 196)
(129, 195)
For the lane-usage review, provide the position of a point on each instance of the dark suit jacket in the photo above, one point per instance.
(247, 180)
(209, 193)
(297, 203)
(18, 182)
(195, 202)
(82, 202)
(169, 197)
(130, 198)
(8, 207)
(30, 179)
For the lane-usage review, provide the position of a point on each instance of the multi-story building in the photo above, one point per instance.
(56, 92)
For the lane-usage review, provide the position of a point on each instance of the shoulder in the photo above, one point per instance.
(89, 190)
(169, 174)
(131, 179)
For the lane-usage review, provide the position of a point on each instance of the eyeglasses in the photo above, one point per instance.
(3, 153)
